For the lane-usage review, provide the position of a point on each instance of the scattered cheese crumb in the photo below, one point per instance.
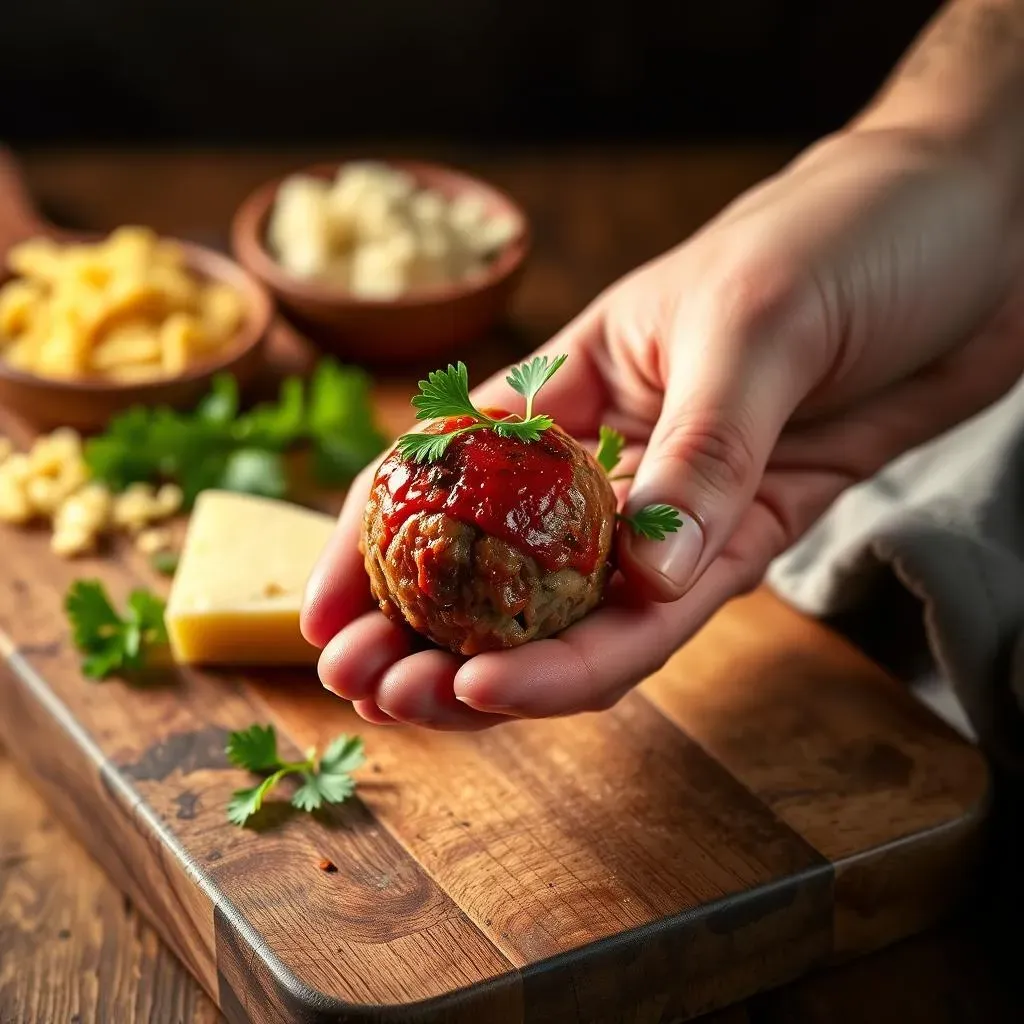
(51, 481)
(155, 539)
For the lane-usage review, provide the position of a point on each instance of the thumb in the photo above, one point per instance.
(726, 401)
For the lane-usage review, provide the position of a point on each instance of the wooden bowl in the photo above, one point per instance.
(87, 405)
(427, 323)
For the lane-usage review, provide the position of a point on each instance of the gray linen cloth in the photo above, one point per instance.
(923, 566)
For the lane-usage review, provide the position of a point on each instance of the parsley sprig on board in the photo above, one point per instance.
(110, 642)
(327, 779)
(218, 445)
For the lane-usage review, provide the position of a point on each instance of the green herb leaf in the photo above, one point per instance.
(654, 522)
(332, 788)
(164, 562)
(326, 781)
(308, 796)
(109, 642)
(220, 406)
(530, 377)
(216, 445)
(90, 611)
(247, 802)
(275, 426)
(341, 424)
(525, 430)
(344, 754)
(255, 471)
(254, 748)
(146, 610)
(609, 449)
(424, 447)
(445, 393)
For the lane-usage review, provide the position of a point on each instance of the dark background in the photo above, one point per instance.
(293, 71)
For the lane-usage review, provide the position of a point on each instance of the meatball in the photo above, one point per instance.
(498, 542)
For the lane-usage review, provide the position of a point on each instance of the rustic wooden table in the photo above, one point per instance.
(72, 949)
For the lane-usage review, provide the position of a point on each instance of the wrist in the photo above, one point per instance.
(961, 88)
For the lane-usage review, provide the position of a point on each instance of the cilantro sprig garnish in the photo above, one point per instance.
(113, 643)
(327, 779)
(652, 522)
(528, 378)
(218, 445)
(446, 393)
(609, 449)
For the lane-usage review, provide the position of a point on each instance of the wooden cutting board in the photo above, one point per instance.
(767, 803)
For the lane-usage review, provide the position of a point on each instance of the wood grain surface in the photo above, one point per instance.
(766, 803)
(75, 950)
(545, 871)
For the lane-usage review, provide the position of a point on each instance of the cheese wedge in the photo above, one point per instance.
(238, 588)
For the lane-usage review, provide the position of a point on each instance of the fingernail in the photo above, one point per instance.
(676, 556)
(491, 709)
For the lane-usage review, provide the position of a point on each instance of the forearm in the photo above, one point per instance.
(963, 82)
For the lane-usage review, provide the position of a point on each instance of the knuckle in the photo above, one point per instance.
(717, 450)
(749, 575)
(757, 296)
(775, 304)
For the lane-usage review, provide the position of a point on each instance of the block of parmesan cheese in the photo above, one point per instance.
(238, 588)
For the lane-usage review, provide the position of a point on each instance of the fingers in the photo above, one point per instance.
(593, 664)
(338, 589)
(354, 661)
(373, 663)
(419, 690)
(586, 668)
(729, 393)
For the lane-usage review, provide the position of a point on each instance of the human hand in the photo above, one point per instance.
(859, 303)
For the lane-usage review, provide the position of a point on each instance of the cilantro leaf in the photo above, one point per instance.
(340, 422)
(308, 796)
(609, 449)
(217, 445)
(220, 406)
(326, 781)
(247, 802)
(530, 377)
(424, 447)
(109, 642)
(147, 611)
(344, 754)
(340, 400)
(90, 611)
(255, 471)
(164, 562)
(445, 393)
(254, 748)
(275, 425)
(318, 789)
(525, 430)
(654, 522)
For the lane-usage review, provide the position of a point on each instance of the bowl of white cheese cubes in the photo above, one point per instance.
(385, 262)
